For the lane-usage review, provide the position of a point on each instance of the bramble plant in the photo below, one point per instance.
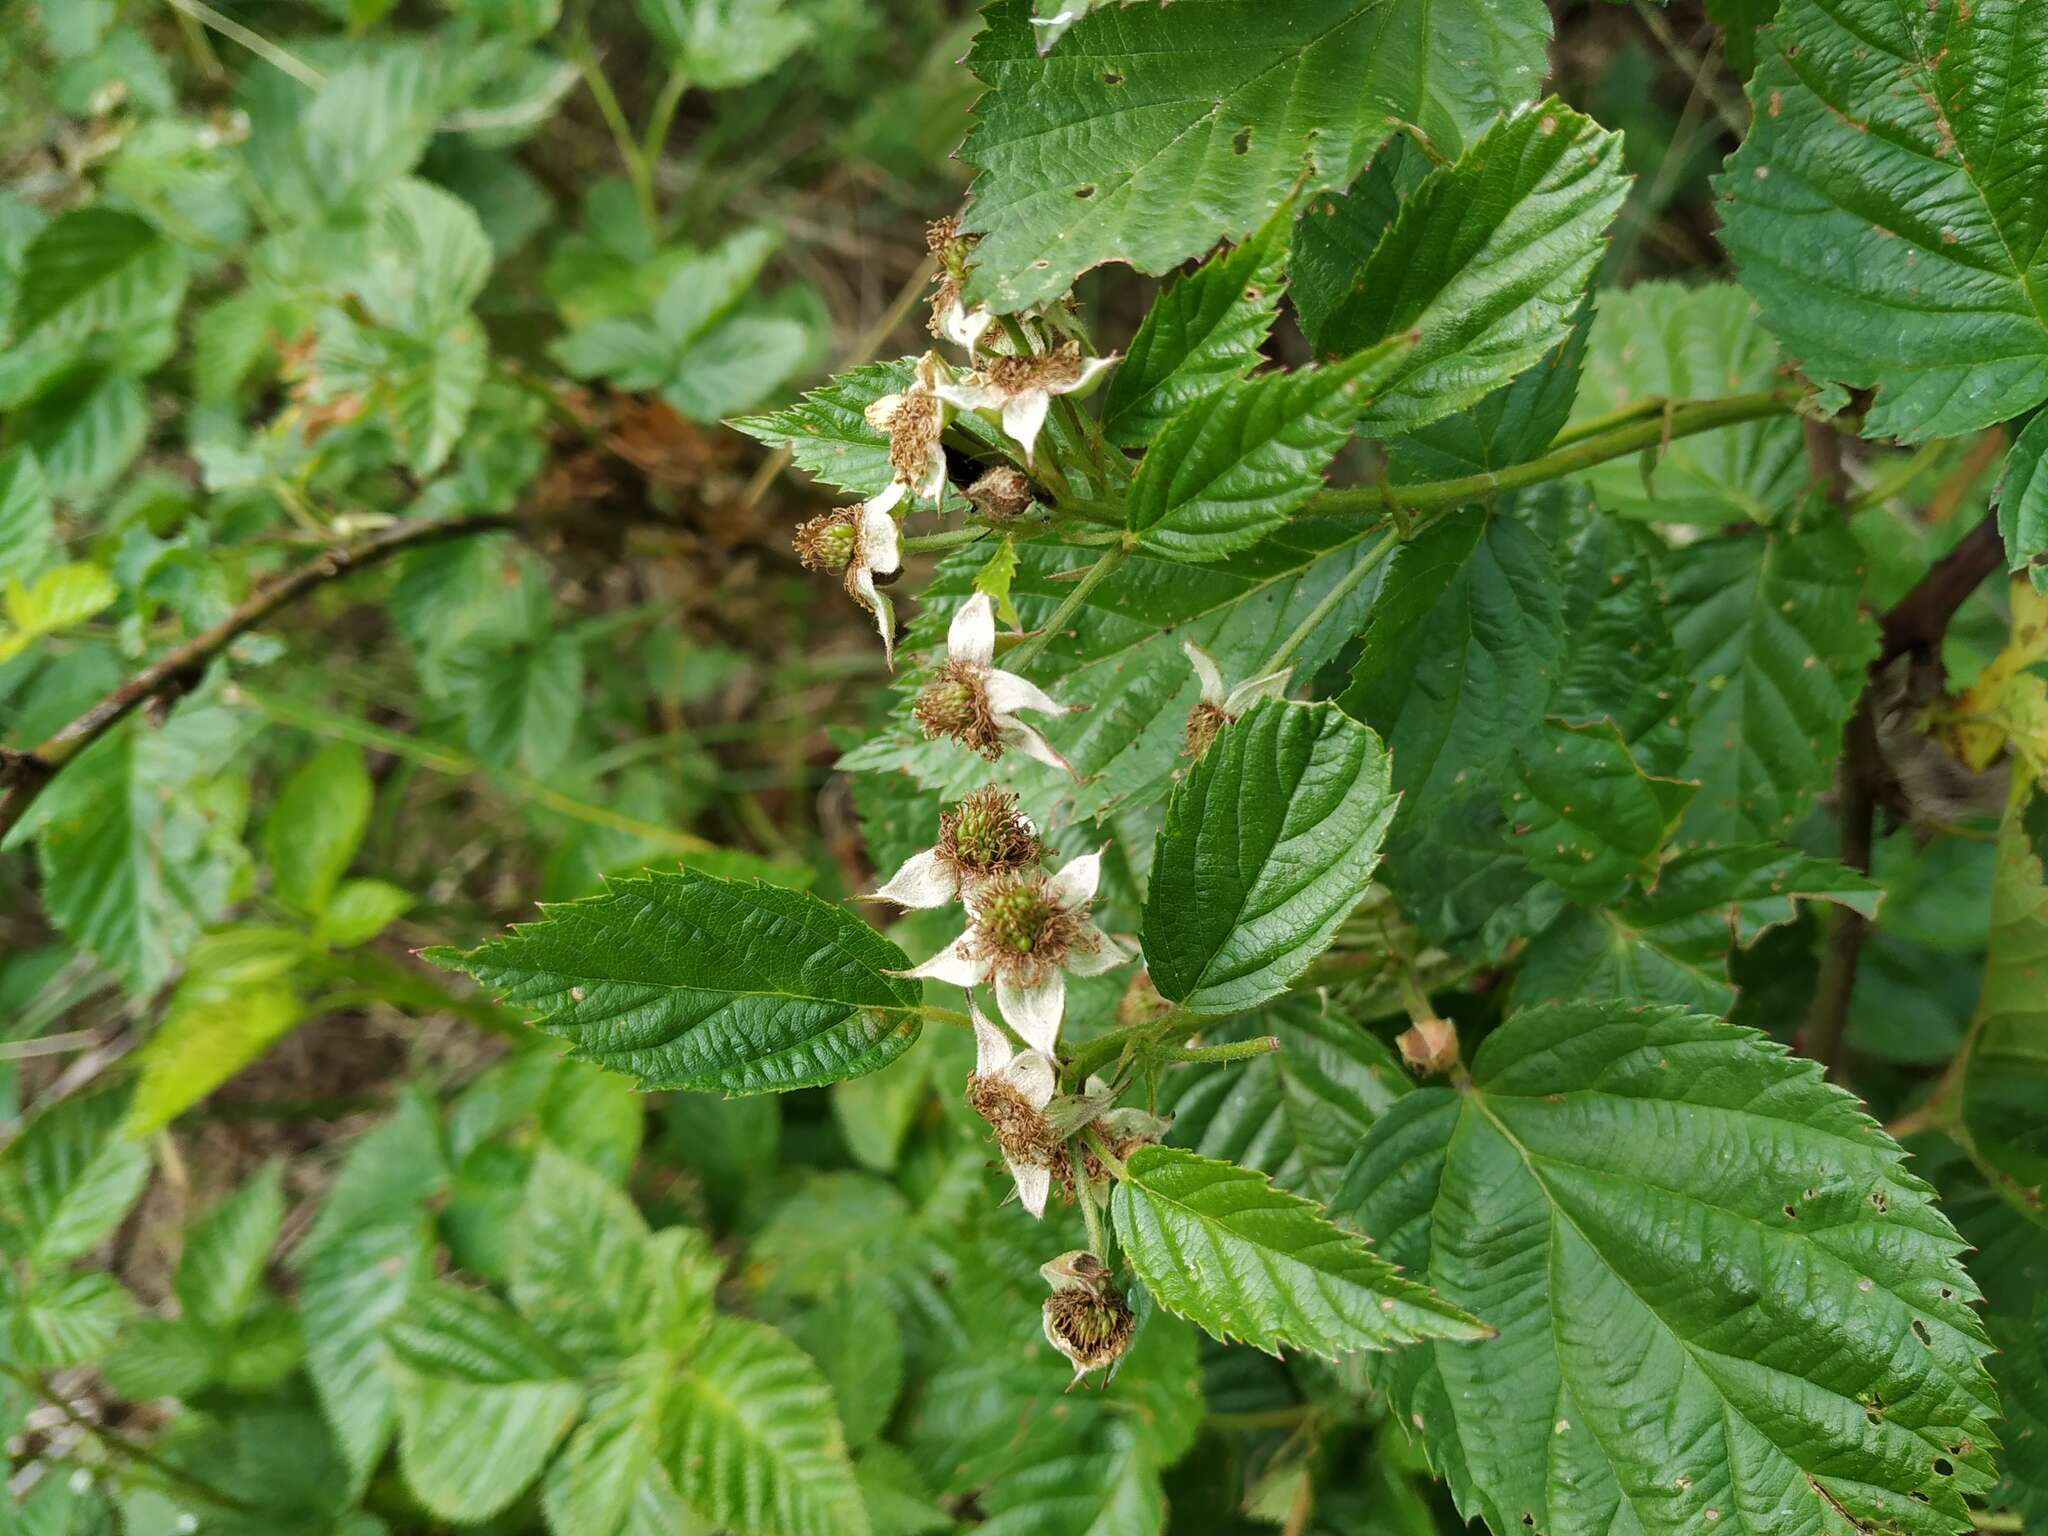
(1365, 850)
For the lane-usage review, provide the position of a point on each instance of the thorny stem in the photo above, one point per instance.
(1107, 1048)
(951, 1016)
(949, 538)
(1682, 420)
(1235, 1050)
(134, 1451)
(1027, 652)
(1084, 1196)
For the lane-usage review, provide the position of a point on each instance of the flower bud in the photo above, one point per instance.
(1001, 494)
(1430, 1047)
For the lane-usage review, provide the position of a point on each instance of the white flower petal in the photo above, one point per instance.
(880, 542)
(1008, 693)
(1034, 1076)
(1247, 693)
(971, 637)
(925, 880)
(1107, 954)
(884, 612)
(970, 396)
(963, 326)
(1023, 739)
(882, 411)
(886, 499)
(1077, 881)
(932, 484)
(1033, 1185)
(1023, 416)
(1207, 673)
(1033, 1009)
(952, 964)
(992, 1050)
(1092, 371)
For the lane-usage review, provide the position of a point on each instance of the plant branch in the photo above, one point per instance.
(133, 1451)
(1684, 419)
(1346, 584)
(1233, 1050)
(1919, 620)
(24, 775)
(1024, 654)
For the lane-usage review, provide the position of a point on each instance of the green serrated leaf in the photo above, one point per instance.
(687, 981)
(608, 1480)
(2022, 501)
(1879, 207)
(1237, 463)
(1204, 331)
(1511, 426)
(226, 1250)
(1720, 1294)
(719, 44)
(482, 1401)
(317, 823)
(1296, 1114)
(1106, 1488)
(25, 514)
(1223, 1248)
(61, 598)
(68, 1180)
(1772, 634)
(97, 270)
(753, 1442)
(1485, 264)
(1585, 813)
(2005, 1061)
(1672, 944)
(826, 433)
(1665, 340)
(1268, 844)
(63, 1319)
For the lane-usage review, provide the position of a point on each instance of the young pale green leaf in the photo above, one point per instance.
(235, 999)
(1485, 264)
(1881, 207)
(2022, 501)
(1296, 1114)
(1722, 1299)
(359, 910)
(753, 1442)
(1239, 462)
(96, 270)
(1221, 1247)
(1268, 844)
(521, 702)
(687, 981)
(1665, 340)
(2005, 1067)
(316, 824)
(25, 514)
(56, 1320)
(719, 44)
(1203, 332)
(67, 1181)
(854, 1338)
(609, 1480)
(1772, 633)
(1585, 813)
(372, 1245)
(226, 1250)
(589, 1275)
(61, 597)
(369, 125)
(482, 1400)
(1672, 944)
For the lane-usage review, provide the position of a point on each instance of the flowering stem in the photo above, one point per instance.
(1108, 1158)
(1107, 1048)
(1027, 652)
(947, 538)
(1348, 583)
(1680, 420)
(951, 1016)
(1234, 1050)
(1084, 1196)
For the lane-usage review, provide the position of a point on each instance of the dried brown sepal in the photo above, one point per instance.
(1053, 371)
(1205, 720)
(1001, 494)
(1021, 1130)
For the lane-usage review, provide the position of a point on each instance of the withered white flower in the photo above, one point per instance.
(954, 321)
(975, 702)
(861, 542)
(981, 839)
(1019, 390)
(1010, 1089)
(915, 419)
(1027, 932)
(1086, 1317)
(1220, 705)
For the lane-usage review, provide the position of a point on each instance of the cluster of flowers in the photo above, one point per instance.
(1026, 929)
(1012, 391)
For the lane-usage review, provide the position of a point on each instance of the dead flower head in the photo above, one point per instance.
(1086, 1316)
(983, 838)
(975, 702)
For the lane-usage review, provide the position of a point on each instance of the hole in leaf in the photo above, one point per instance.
(1877, 1199)
(1112, 78)
(1528, 1520)
(1920, 1332)
(1085, 191)
(1791, 1211)
(1943, 1467)
(1241, 141)
(1873, 1415)
(1917, 1494)
(1947, 1294)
